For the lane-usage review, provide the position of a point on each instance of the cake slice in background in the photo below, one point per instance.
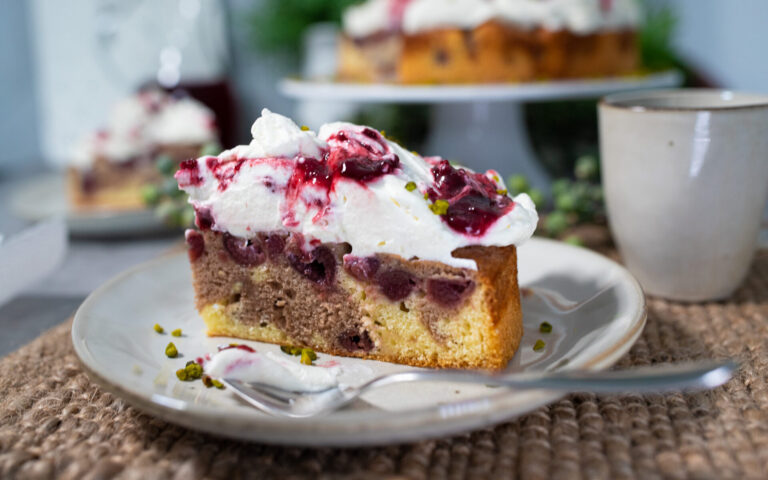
(346, 243)
(477, 41)
(151, 129)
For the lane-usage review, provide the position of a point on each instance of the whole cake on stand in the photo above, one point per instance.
(477, 41)
(477, 61)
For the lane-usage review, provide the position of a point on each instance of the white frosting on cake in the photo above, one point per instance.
(368, 18)
(379, 216)
(578, 16)
(277, 136)
(182, 122)
(139, 122)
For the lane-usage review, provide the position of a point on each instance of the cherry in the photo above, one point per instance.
(88, 182)
(203, 218)
(196, 244)
(313, 171)
(362, 268)
(473, 214)
(366, 169)
(395, 284)
(243, 251)
(474, 203)
(189, 174)
(224, 171)
(274, 243)
(448, 292)
(449, 181)
(321, 268)
(353, 340)
(237, 346)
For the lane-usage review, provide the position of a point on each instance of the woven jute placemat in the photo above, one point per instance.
(55, 423)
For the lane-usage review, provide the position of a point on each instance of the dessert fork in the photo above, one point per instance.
(297, 404)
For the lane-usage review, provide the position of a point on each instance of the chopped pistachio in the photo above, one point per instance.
(218, 384)
(158, 328)
(207, 381)
(295, 351)
(410, 186)
(426, 196)
(502, 191)
(306, 359)
(545, 327)
(176, 333)
(194, 370)
(440, 207)
(310, 352)
(304, 128)
(181, 374)
(171, 351)
(539, 345)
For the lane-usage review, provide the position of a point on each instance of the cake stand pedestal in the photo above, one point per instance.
(480, 126)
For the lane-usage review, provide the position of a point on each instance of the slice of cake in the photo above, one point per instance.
(110, 167)
(346, 243)
(476, 41)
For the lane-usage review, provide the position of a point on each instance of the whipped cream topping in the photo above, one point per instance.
(182, 122)
(368, 18)
(350, 184)
(414, 16)
(250, 366)
(138, 123)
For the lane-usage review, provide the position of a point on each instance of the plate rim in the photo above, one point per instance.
(416, 424)
(572, 88)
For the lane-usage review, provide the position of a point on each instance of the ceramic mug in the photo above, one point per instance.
(685, 174)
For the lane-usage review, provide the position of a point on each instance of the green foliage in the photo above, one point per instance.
(404, 124)
(537, 196)
(518, 184)
(279, 24)
(656, 38)
(573, 201)
(168, 201)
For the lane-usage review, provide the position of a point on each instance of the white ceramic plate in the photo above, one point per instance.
(328, 90)
(114, 338)
(45, 196)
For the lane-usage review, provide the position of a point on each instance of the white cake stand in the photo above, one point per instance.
(481, 126)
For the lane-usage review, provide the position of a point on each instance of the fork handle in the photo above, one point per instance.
(699, 375)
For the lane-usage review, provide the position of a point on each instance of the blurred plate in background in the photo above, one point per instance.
(45, 196)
